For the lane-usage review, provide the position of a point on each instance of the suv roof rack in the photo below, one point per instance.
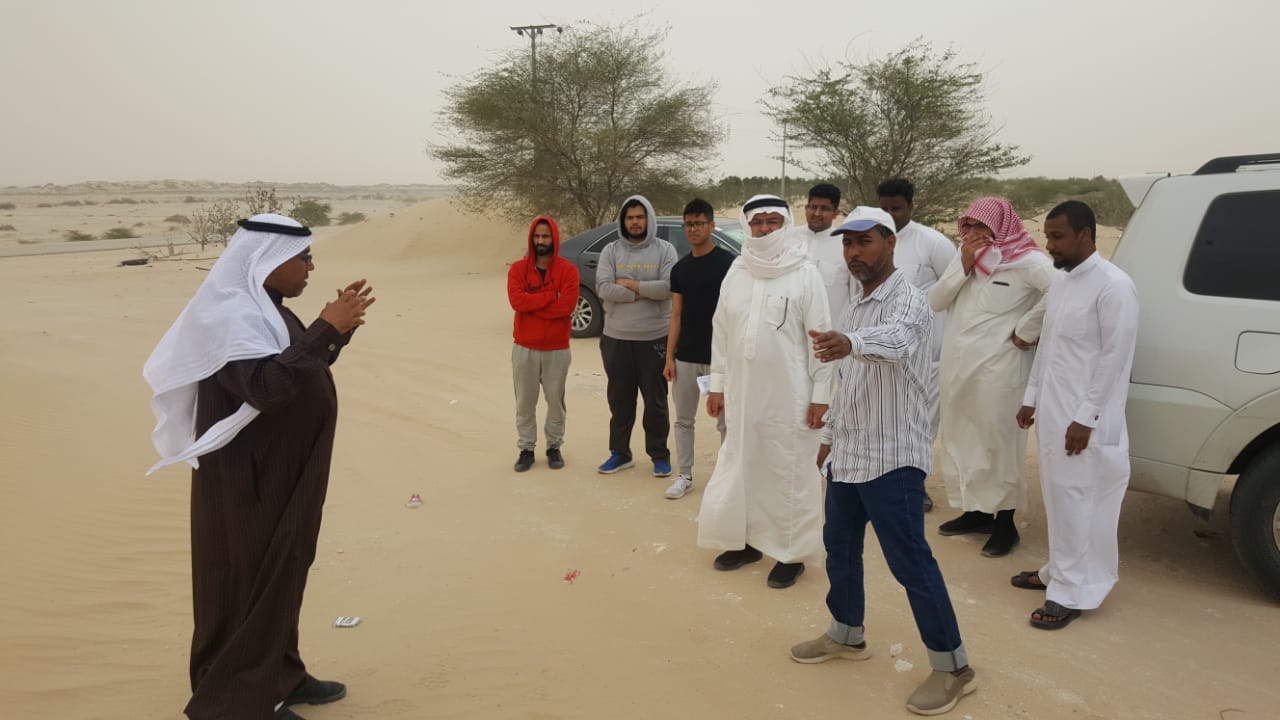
(1232, 163)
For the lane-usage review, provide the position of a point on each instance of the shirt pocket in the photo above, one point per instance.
(1001, 295)
(775, 311)
(1071, 325)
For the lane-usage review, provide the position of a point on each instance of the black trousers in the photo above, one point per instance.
(631, 366)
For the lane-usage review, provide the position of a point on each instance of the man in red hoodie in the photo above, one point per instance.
(543, 289)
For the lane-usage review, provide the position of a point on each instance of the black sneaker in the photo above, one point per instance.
(734, 559)
(783, 575)
(555, 460)
(525, 461)
(316, 692)
(284, 713)
(973, 521)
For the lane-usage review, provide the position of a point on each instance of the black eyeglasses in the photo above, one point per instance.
(696, 225)
(306, 258)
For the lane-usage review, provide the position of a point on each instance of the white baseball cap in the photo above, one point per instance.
(863, 218)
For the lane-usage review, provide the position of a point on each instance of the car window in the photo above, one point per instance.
(729, 235)
(605, 239)
(1237, 248)
(674, 234)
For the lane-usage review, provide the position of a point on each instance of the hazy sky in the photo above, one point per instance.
(347, 91)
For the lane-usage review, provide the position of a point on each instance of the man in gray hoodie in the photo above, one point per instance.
(633, 280)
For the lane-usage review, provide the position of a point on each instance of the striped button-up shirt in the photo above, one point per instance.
(879, 420)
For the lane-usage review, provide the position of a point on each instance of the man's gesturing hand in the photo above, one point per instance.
(346, 313)
(830, 345)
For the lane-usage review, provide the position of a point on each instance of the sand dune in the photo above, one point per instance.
(466, 612)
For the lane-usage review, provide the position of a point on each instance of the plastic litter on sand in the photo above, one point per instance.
(415, 501)
(903, 666)
(895, 649)
(571, 575)
(345, 621)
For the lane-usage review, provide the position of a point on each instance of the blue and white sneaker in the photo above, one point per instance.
(617, 461)
(661, 468)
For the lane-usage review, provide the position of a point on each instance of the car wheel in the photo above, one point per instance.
(1255, 519)
(588, 315)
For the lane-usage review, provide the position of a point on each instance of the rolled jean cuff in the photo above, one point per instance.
(845, 634)
(948, 661)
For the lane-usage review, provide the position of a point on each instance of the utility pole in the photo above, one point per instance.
(534, 32)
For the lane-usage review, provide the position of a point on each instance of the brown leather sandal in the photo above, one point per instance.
(1053, 616)
(1029, 580)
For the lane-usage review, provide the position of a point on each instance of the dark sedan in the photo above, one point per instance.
(584, 251)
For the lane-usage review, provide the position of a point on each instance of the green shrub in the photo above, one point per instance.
(351, 218)
(121, 201)
(1032, 196)
(119, 233)
(77, 236)
(312, 213)
(8, 206)
(8, 228)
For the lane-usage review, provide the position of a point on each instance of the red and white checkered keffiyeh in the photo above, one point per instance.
(1011, 239)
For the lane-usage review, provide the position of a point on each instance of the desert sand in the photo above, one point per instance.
(466, 610)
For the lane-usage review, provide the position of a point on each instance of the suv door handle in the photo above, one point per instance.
(591, 263)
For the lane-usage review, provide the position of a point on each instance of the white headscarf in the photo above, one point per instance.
(230, 317)
(775, 254)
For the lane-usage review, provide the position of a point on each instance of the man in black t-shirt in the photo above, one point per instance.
(695, 290)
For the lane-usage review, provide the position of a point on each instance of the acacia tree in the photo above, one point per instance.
(917, 113)
(601, 121)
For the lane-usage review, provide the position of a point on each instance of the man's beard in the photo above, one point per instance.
(867, 273)
(543, 250)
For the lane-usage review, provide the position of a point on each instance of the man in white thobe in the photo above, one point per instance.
(922, 254)
(992, 293)
(1078, 388)
(764, 496)
(823, 250)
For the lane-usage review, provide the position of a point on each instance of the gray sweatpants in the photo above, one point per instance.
(684, 392)
(530, 370)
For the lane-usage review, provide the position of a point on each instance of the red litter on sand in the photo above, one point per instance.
(415, 501)
(571, 575)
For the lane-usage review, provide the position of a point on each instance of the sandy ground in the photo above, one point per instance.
(466, 612)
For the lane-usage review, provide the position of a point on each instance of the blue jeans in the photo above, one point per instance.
(894, 504)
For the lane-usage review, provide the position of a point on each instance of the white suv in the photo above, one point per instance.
(1204, 397)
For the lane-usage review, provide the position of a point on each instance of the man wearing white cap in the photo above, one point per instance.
(875, 449)
(764, 497)
(243, 393)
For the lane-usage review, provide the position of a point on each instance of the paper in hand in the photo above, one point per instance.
(704, 384)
